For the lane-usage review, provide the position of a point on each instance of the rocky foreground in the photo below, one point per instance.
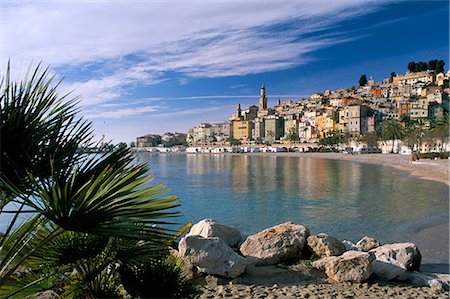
(285, 261)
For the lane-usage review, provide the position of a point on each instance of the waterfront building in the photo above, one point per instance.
(242, 130)
(290, 125)
(259, 129)
(355, 113)
(274, 128)
(414, 78)
(419, 108)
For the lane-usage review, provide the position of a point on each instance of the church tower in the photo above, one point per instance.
(262, 98)
(238, 111)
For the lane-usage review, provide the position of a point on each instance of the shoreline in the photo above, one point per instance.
(431, 170)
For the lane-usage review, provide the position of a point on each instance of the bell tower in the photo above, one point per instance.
(262, 98)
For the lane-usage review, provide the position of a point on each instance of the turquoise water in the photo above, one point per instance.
(345, 199)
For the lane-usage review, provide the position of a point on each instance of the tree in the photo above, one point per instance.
(440, 66)
(234, 141)
(432, 64)
(411, 67)
(392, 130)
(422, 66)
(74, 210)
(393, 74)
(370, 138)
(363, 80)
(415, 134)
(292, 136)
(440, 130)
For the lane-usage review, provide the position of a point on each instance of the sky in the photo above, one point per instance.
(148, 67)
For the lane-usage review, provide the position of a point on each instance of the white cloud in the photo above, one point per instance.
(207, 32)
(138, 42)
(119, 112)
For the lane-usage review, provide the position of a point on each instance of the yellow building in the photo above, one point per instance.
(242, 130)
(321, 125)
(342, 120)
(413, 78)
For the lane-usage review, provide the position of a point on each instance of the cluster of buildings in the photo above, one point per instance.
(357, 110)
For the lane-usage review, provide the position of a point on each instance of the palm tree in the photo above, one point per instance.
(392, 130)
(53, 193)
(440, 129)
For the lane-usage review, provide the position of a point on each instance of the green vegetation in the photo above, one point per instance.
(234, 141)
(73, 220)
(363, 80)
(334, 138)
(293, 136)
(433, 65)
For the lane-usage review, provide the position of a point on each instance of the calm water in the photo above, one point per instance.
(345, 199)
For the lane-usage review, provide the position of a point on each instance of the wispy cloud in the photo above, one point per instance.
(122, 112)
(137, 43)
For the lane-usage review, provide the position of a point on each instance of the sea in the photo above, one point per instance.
(344, 199)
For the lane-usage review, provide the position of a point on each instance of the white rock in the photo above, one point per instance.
(323, 245)
(208, 228)
(276, 244)
(212, 256)
(352, 266)
(391, 260)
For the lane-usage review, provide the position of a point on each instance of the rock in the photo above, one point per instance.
(349, 245)
(437, 281)
(391, 260)
(352, 266)
(323, 245)
(208, 228)
(276, 244)
(367, 243)
(212, 256)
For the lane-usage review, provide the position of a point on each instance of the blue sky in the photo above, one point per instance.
(155, 66)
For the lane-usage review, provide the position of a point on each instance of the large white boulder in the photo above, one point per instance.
(391, 260)
(352, 266)
(276, 244)
(323, 245)
(212, 256)
(209, 228)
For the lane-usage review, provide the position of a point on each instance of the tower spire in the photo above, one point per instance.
(262, 98)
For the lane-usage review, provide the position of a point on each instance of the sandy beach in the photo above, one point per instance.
(292, 282)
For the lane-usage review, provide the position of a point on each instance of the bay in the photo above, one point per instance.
(344, 199)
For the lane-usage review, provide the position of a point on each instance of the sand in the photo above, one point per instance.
(291, 282)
